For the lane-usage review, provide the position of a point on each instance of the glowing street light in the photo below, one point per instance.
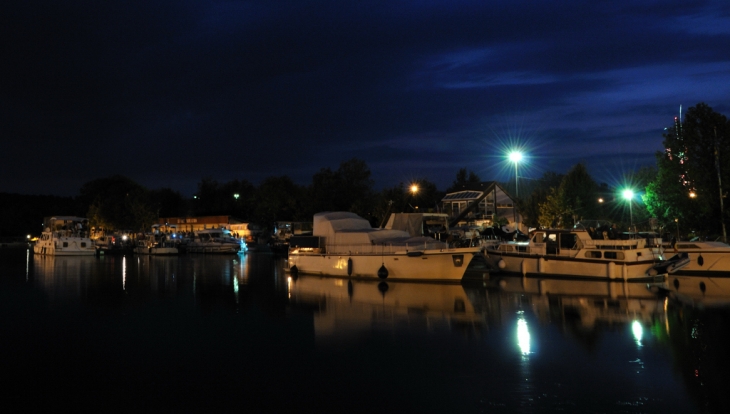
(629, 195)
(414, 189)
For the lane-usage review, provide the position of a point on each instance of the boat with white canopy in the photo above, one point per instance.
(65, 236)
(344, 244)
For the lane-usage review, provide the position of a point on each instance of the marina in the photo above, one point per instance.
(228, 332)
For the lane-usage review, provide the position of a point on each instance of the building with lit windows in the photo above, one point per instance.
(481, 204)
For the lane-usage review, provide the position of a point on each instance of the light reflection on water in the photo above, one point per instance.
(510, 345)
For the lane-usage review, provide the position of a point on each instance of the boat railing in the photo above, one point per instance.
(69, 233)
(614, 244)
(386, 248)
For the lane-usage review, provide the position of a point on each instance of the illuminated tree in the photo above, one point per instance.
(696, 161)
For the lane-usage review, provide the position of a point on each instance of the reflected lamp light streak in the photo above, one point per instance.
(124, 273)
(638, 331)
(523, 336)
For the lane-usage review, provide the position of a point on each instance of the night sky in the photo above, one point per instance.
(168, 92)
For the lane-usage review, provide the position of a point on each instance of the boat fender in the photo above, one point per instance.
(383, 287)
(501, 264)
(383, 272)
(703, 287)
(700, 260)
(502, 283)
(349, 266)
(349, 288)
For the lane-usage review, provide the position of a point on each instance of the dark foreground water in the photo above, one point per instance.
(234, 334)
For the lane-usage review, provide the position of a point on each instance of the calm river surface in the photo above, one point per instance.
(234, 334)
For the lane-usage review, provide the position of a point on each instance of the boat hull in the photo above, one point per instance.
(156, 250)
(225, 248)
(428, 265)
(556, 266)
(65, 246)
(706, 263)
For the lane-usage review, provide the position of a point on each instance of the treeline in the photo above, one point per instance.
(685, 193)
(118, 202)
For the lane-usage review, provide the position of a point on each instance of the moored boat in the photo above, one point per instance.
(65, 236)
(575, 253)
(156, 245)
(213, 241)
(344, 244)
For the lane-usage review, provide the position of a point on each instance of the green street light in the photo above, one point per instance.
(629, 195)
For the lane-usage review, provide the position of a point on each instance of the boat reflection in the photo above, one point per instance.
(203, 280)
(697, 290)
(345, 308)
(65, 278)
(583, 303)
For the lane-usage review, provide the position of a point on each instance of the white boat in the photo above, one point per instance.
(705, 258)
(213, 241)
(156, 245)
(574, 253)
(344, 244)
(65, 236)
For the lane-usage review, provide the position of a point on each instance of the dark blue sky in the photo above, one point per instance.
(168, 92)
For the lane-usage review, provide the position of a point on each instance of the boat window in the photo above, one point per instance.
(552, 238)
(539, 237)
(524, 249)
(505, 248)
(83, 244)
(65, 244)
(593, 254)
(687, 246)
(568, 240)
(614, 255)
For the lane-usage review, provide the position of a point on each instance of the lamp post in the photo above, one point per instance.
(516, 157)
(676, 220)
(629, 195)
(414, 191)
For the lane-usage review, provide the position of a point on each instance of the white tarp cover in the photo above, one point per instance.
(343, 228)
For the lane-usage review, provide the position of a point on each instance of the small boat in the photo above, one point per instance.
(344, 244)
(65, 236)
(156, 245)
(671, 265)
(213, 241)
(575, 253)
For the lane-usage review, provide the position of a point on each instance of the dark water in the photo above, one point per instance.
(232, 333)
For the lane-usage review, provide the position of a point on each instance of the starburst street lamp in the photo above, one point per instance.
(414, 189)
(629, 195)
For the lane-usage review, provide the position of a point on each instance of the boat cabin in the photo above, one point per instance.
(577, 244)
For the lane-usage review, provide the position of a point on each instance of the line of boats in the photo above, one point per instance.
(68, 236)
(343, 244)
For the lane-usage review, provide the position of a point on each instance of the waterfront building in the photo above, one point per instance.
(481, 204)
